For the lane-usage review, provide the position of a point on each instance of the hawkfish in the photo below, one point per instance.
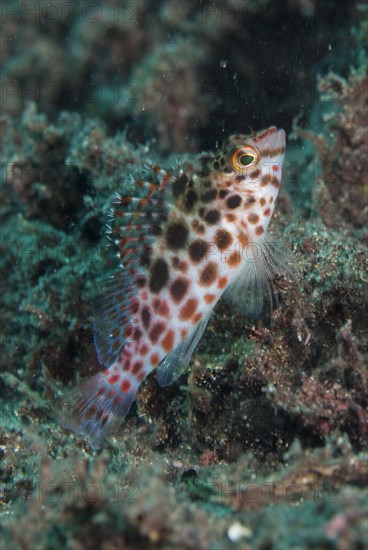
(184, 242)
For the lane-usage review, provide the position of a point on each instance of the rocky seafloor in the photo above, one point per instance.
(263, 443)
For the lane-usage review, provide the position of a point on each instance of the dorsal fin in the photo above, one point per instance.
(134, 224)
(113, 312)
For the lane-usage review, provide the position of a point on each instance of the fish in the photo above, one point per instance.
(183, 241)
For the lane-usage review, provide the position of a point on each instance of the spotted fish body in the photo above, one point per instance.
(182, 244)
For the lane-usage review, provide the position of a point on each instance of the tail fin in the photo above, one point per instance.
(93, 408)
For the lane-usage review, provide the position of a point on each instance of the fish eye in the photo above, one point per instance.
(243, 158)
(246, 160)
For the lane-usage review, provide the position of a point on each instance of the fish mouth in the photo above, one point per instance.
(271, 138)
(279, 139)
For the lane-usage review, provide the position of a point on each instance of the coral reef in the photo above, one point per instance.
(263, 442)
(158, 65)
(344, 163)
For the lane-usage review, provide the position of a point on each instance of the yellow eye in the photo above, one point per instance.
(244, 157)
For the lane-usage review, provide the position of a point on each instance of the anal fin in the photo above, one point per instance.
(176, 362)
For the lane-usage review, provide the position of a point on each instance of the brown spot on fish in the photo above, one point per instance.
(140, 282)
(156, 332)
(125, 386)
(209, 195)
(262, 201)
(137, 367)
(159, 275)
(209, 298)
(243, 239)
(249, 202)
(212, 217)
(168, 341)
(175, 262)
(197, 317)
(188, 309)
(233, 202)
(197, 250)
(161, 307)
(254, 175)
(154, 359)
(195, 224)
(222, 282)
(143, 350)
(208, 275)
(183, 266)
(137, 333)
(199, 228)
(265, 180)
(223, 239)
(178, 289)
(191, 198)
(176, 235)
(234, 259)
(259, 230)
(253, 218)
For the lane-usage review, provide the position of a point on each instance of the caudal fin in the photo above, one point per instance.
(93, 408)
